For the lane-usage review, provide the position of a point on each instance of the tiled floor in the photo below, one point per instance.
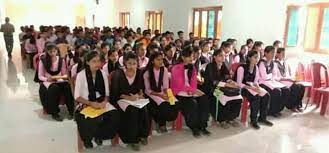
(24, 129)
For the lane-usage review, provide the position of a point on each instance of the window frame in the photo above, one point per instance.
(154, 26)
(316, 49)
(123, 15)
(208, 9)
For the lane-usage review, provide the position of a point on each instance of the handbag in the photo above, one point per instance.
(228, 91)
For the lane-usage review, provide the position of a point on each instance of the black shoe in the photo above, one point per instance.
(265, 122)
(204, 131)
(255, 125)
(196, 133)
(144, 141)
(98, 141)
(88, 145)
(57, 117)
(276, 115)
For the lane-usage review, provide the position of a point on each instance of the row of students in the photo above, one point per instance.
(195, 103)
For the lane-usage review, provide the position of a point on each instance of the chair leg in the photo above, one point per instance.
(324, 104)
(244, 111)
(115, 140)
(178, 123)
(80, 143)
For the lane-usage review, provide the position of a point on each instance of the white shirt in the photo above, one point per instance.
(81, 86)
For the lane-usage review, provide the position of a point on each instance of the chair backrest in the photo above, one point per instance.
(316, 75)
(235, 66)
(36, 59)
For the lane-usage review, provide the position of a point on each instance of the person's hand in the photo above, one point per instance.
(164, 97)
(133, 97)
(51, 79)
(96, 105)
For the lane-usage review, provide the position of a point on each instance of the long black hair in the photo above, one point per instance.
(46, 59)
(250, 55)
(98, 86)
(150, 67)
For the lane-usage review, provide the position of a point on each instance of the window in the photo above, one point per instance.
(154, 20)
(309, 25)
(207, 22)
(125, 19)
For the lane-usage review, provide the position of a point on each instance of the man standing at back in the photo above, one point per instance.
(8, 30)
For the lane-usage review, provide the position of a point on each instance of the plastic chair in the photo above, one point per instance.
(178, 123)
(317, 82)
(305, 75)
(321, 91)
(244, 110)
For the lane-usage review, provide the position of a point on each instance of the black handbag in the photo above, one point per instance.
(228, 91)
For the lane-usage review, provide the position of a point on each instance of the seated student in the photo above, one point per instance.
(30, 48)
(228, 105)
(282, 74)
(117, 46)
(205, 56)
(193, 103)
(79, 66)
(112, 62)
(279, 92)
(247, 76)
(259, 47)
(73, 56)
(241, 57)
(141, 53)
(105, 48)
(52, 73)
(229, 57)
(92, 90)
(250, 44)
(169, 57)
(179, 46)
(151, 48)
(127, 85)
(156, 80)
(126, 48)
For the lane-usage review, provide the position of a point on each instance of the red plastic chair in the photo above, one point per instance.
(321, 86)
(305, 75)
(178, 123)
(244, 110)
(318, 82)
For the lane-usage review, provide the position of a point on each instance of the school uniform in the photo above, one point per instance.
(110, 67)
(229, 60)
(194, 109)
(258, 102)
(50, 92)
(95, 90)
(205, 58)
(240, 58)
(160, 109)
(279, 95)
(227, 106)
(281, 71)
(76, 68)
(169, 63)
(135, 122)
(41, 45)
(142, 62)
(31, 50)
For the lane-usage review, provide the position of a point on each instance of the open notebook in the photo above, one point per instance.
(92, 112)
(138, 103)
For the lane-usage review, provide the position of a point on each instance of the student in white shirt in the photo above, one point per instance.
(92, 90)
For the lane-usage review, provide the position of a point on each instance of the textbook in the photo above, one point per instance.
(93, 113)
(138, 103)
